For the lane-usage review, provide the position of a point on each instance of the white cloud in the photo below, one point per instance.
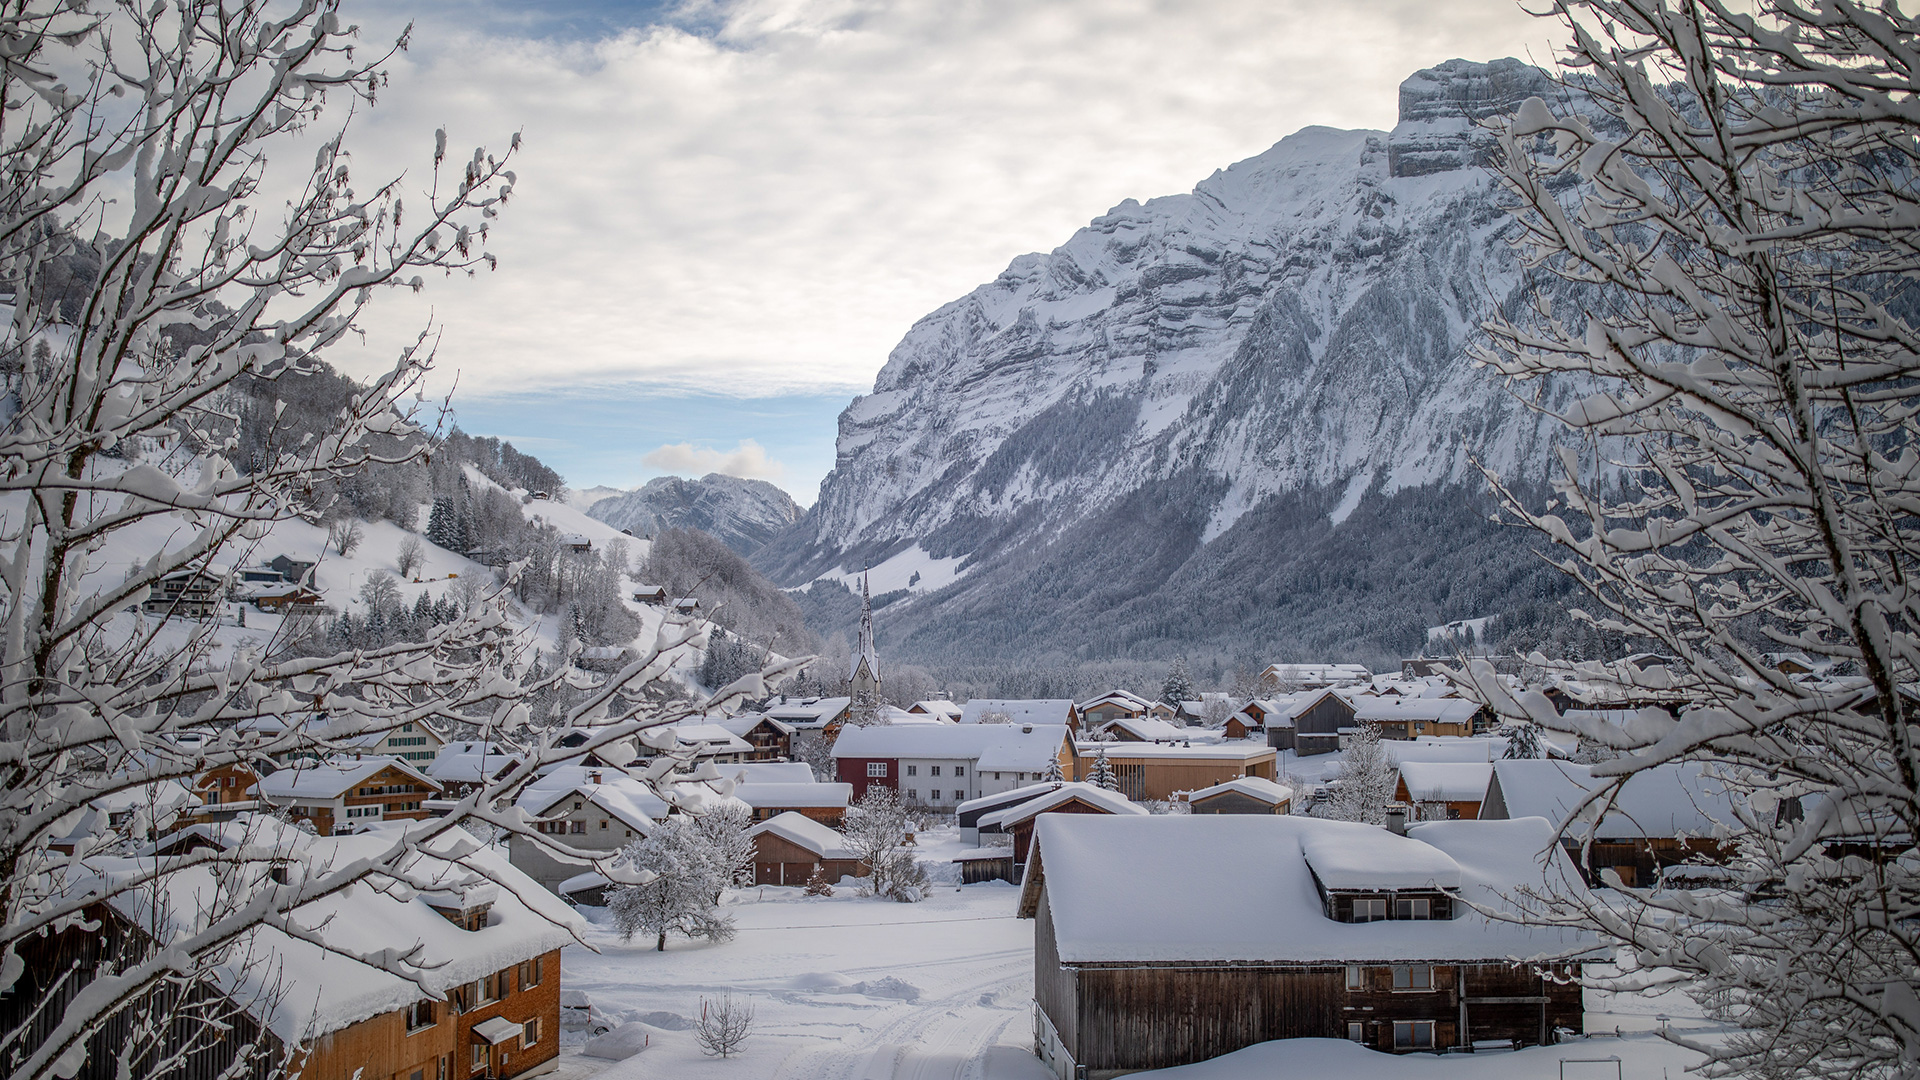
(748, 459)
(768, 207)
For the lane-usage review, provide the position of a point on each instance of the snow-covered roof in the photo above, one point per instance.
(1229, 751)
(1661, 801)
(1092, 794)
(333, 778)
(620, 795)
(1393, 710)
(1446, 781)
(1016, 747)
(470, 762)
(769, 772)
(1318, 673)
(302, 991)
(1123, 888)
(1008, 797)
(812, 713)
(1018, 710)
(800, 829)
(1257, 787)
(1117, 697)
(808, 794)
(936, 707)
(1146, 728)
(710, 739)
(1375, 860)
(746, 722)
(1444, 748)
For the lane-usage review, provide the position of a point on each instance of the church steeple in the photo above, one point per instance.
(865, 660)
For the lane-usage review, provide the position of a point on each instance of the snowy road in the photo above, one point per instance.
(842, 989)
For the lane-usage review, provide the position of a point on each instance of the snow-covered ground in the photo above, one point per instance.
(856, 988)
(846, 987)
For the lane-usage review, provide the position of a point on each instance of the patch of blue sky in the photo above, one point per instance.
(570, 20)
(597, 435)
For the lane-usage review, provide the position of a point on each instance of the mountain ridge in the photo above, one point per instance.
(1292, 332)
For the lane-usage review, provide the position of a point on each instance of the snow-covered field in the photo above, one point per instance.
(846, 987)
(856, 988)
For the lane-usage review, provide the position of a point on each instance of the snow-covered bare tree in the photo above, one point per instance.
(1366, 780)
(407, 560)
(145, 132)
(1728, 191)
(724, 1026)
(684, 878)
(876, 830)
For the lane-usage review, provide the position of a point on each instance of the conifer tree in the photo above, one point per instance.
(1178, 686)
(1102, 774)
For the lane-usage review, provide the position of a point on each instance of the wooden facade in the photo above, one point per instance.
(1148, 777)
(1316, 730)
(209, 1037)
(1639, 861)
(779, 861)
(1115, 1018)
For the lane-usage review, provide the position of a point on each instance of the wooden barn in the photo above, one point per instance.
(1315, 725)
(824, 803)
(1449, 789)
(1410, 718)
(1311, 940)
(788, 847)
(1247, 795)
(1663, 816)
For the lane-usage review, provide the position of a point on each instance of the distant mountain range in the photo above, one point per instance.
(742, 514)
(1236, 420)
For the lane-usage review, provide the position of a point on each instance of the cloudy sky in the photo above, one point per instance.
(729, 211)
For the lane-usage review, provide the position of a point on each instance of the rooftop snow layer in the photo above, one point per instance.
(1125, 889)
(1446, 781)
(800, 829)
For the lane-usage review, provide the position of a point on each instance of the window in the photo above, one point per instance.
(530, 1033)
(1356, 977)
(577, 828)
(530, 972)
(1413, 909)
(1417, 977)
(876, 768)
(603, 824)
(912, 794)
(1413, 1034)
(933, 770)
(996, 776)
(492, 988)
(479, 1056)
(1369, 910)
(913, 770)
(1356, 1031)
(419, 1015)
(959, 770)
(441, 1066)
(934, 795)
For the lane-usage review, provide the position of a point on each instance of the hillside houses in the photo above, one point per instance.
(944, 765)
(1338, 931)
(595, 810)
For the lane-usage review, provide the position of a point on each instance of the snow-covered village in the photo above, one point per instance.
(1014, 540)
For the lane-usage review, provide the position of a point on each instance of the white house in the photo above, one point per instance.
(944, 765)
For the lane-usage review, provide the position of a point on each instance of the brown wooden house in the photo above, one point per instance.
(1662, 817)
(487, 950)
(1160, 771)
(1314, 726)
(1018, 820)
(346, 794)
(787, 849)
(1453, 789)
(1311, 940)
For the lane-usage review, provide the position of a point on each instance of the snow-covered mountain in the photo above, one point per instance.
(1212, 417)
(742, 514)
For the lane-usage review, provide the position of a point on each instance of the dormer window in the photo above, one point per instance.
(1365, 907)
(1369, 910)
(1412, 908)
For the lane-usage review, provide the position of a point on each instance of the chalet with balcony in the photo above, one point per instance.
(344, 795)
(1151, 772)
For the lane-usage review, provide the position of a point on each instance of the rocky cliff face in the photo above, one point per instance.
(742, 514)
(1112, 444)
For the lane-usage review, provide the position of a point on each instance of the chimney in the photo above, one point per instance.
(593, 777)
(1397, 821)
